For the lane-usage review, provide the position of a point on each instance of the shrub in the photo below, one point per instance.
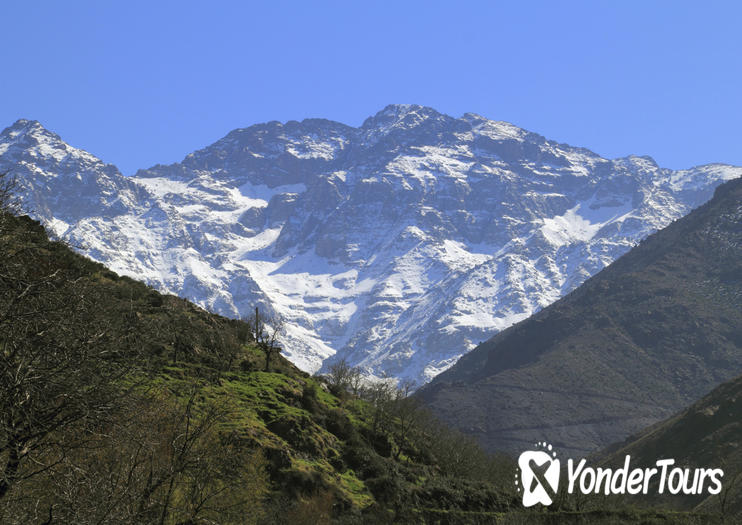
(339, 424)
(309, 400)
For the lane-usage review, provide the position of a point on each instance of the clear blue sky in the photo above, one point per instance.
(137, 83)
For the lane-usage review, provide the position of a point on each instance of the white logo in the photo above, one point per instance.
(539, 475)
(539, 472)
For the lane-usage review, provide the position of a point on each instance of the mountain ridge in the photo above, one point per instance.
(397, 245)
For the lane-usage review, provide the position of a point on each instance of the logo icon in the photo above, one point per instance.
(539, 475)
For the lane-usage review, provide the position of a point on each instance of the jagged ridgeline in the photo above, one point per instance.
(646, 337)
(398, 245)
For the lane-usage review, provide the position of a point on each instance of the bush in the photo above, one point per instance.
(309, 400)
(381, 443)
(339, 424)
(303, 482)
(387, 489)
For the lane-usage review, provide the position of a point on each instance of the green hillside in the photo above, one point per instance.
(135, 407)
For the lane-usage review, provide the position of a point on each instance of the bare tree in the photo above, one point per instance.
(356, 381)
(338, 377)
(9, 202)
(343, 378)
(407, 414)
(267, 332)
(380, 394)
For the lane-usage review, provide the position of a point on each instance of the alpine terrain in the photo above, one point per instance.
(641, 340)
(398, 245)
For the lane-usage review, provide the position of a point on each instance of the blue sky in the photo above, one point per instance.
(140, 83)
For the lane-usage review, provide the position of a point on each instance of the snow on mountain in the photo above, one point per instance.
(398, 245)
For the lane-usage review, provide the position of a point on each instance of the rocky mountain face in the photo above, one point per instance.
(397, 245)
(641, 340)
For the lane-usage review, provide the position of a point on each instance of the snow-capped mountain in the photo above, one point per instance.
(398, 245)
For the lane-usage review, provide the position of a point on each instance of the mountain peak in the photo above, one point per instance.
(401, 115)
(29, 140)
(26, 123)
(403, 109)
(25, 126)
(28, 132)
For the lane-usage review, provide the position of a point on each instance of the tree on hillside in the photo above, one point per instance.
(343, 378)
(9, 204)
(8, 193)
(266, 334)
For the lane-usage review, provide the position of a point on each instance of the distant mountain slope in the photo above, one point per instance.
(644, 338)
(398, 245)
(706, 435)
